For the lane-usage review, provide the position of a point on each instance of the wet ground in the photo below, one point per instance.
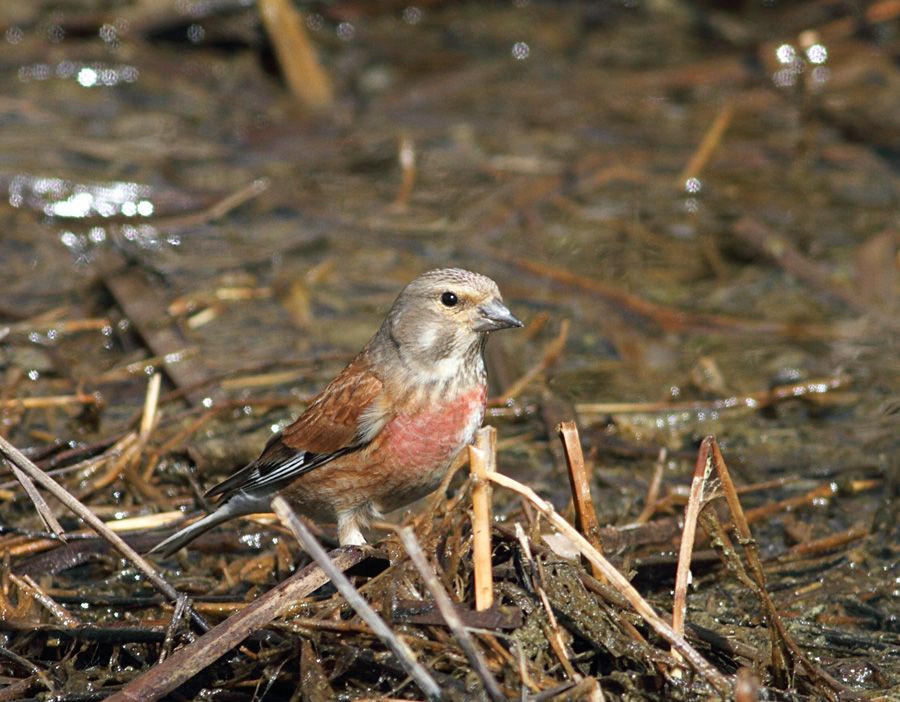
(693, 206)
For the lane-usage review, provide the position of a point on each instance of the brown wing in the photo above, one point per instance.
(330, 427)
(332, 420)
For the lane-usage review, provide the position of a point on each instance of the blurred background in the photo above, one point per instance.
(693, 205)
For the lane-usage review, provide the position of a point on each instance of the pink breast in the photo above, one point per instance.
(427, 440)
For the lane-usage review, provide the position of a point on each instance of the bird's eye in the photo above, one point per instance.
(449, 299)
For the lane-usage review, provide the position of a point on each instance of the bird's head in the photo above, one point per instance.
(444, 314)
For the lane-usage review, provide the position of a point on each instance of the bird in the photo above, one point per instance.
(385, 430)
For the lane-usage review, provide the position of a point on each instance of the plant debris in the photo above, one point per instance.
(694, 206)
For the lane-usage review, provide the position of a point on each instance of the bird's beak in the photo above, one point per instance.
(495, 315)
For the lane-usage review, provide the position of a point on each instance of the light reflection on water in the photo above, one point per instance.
(57, 197)
(87, 75)
(69, 200)
(794, 63)
(84, 246)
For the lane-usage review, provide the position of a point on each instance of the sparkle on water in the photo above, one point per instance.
(693, 185)
(412, 15)
(58, 197)
(93, 75)
(345, 31)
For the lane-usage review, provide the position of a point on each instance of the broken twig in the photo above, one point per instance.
(482, 460)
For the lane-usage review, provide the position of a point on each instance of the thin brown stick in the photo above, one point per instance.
(406, 155)
(397, 645)
(826, 543)
(151, 403)
(708, 146)
(31, 588)
(306, 78)
(40, 504)
(581, 489)
(60, 326)
(482, 459)
(619, 582)
(653, 489)
(218, 209)
(448, 612)
(49, 401)
(702, 471)
(186, 662)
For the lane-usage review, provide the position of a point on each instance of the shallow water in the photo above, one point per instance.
(557, 149)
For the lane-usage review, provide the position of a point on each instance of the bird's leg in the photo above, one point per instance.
(350, 528)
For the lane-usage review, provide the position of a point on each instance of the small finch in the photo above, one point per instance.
(383, 433)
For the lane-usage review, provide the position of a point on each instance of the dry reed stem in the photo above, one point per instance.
(151, 403)
(746, 686)
(203, 317)
(172, 629)
(44, 324)
(40, 504)
(482, 461)
(146, 522)
(141, 523)
(826, 543)
(702, 471)
(406, 156)
(305, 77)
(264, 380)
(398, 646)
(186, 432)
(653, 489)
(581, 489)
(191, 302)
(708, 146)
(114, 471)
(448, 612)
(48, 401)
(33, 590)
(19, 689)
(149, 420)
(118, 453)
(619, 582)
(587, 689)
(217, 210)
(825, 491)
